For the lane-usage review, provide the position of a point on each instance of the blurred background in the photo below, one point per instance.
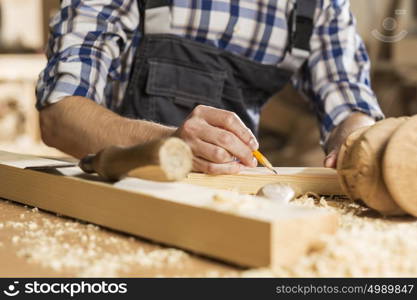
(288, 135)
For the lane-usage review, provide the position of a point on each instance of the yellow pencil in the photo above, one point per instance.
(263, 161)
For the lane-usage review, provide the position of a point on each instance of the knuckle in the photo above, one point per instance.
(188, 128)
(198, 110)
(219, 154)
(230, 118)
(225, 139)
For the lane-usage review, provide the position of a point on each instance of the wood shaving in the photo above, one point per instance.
(278, 192)
(366, 245)
(234, 202)
(85, 249)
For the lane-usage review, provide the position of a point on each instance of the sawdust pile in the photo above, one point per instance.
(366, 245)
(82, 249)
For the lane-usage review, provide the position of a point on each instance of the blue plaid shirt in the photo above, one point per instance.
(92, 44)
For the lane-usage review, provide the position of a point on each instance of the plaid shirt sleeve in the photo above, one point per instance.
(90, 53)
(336, 77)
(85, 49)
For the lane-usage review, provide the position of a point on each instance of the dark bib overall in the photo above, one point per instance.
(171, 75)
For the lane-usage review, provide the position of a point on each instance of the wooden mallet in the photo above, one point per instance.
(168, 159)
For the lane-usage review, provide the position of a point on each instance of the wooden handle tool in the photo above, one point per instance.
(161, 160)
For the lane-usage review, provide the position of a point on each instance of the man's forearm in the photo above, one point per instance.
(78, 126)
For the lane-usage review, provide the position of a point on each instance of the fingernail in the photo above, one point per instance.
(254, 162)
(253, 144)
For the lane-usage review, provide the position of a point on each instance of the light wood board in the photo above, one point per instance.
(322, 181)
(181, 215)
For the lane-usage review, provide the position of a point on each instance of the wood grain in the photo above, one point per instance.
(322, 181)
(400, 166)
(366, 167)
(167, 159)
(170, 213)
(344, 161)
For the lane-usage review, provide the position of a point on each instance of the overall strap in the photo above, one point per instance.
(301, 25)
(141, 9)
(156, 3)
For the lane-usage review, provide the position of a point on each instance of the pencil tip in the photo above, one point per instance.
(273, 170)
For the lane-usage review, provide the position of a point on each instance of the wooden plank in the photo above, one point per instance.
(322, 181)
(256, 234)
(18, 67)
(120, 249)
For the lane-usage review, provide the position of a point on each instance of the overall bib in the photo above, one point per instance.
(171, 74)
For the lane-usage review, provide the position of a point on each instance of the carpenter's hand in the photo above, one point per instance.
(340, 133)
(220, 141)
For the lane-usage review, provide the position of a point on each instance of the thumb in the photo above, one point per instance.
(331, 160)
